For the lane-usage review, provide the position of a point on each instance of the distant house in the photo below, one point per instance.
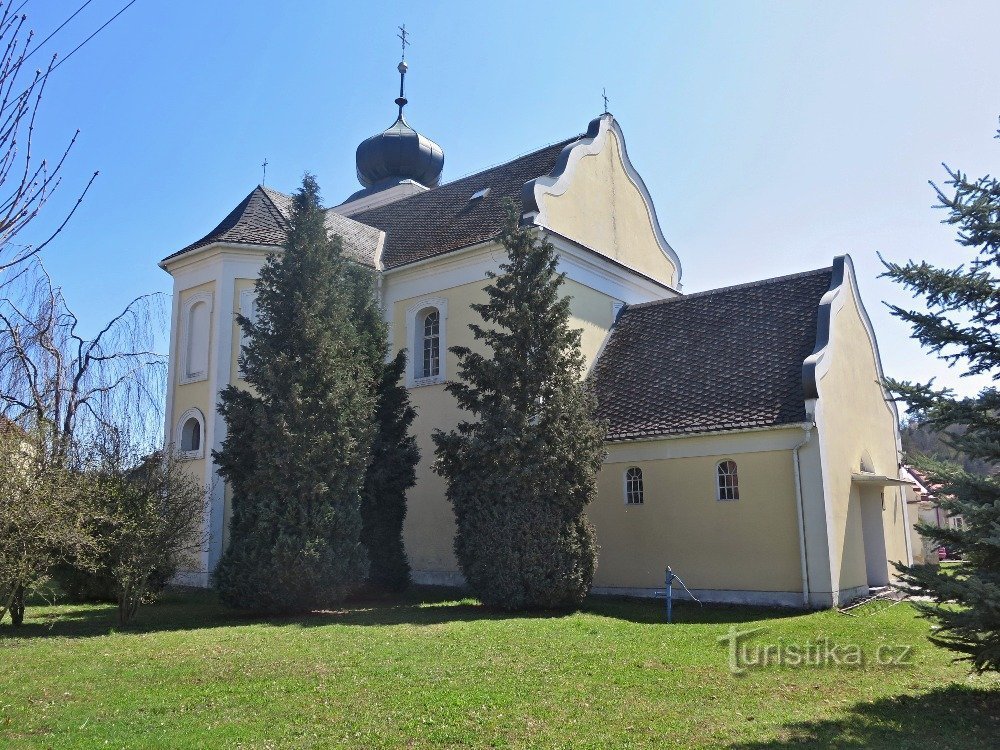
(9, 429)
(922, 501)
(16, 449)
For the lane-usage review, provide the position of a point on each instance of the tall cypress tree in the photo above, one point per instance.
(521, 474)
(391, 472)
(960, 324)
(298, 443)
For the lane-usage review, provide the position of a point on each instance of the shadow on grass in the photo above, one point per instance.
(946, 718)
(195, 609)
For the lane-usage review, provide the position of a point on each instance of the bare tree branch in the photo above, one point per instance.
(26, 183)
(54, 379)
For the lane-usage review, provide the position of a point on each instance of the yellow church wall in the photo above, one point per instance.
(748, 544)
(855, 424)
(850, 570)
(430, 525)
(195, 395)
(624, 232)
(188, 395)
(591, 311)
(593, 314)
(429, 528)
(897, 532)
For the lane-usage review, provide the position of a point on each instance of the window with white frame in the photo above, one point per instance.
(195, 329)
(633, 486)
(426, 326)
(728, 481)
(190, 438)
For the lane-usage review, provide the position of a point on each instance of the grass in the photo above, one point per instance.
(951, 567)
(434, 670)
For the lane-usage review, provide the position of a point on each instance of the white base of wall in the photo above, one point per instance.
(438, 578)
(195, 578)
(845, 596)
(817, 600)
(713, 596)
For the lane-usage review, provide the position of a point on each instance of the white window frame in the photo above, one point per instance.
(196, 414)
(718, 486)
(185, 325)
(625, 487)
(414, 341)
(248, 309)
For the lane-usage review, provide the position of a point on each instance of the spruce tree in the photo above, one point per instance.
(391, 472)
(298, 442)
(960, 324)
(521, 473)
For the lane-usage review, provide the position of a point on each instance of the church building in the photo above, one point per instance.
(750, 446)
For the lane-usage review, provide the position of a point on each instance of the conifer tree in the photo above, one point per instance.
(960, 324)
(298, 443)
(522, 473)
(391, 472)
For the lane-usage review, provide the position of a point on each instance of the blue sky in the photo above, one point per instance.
(772, 135)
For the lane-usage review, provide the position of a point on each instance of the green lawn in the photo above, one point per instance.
(435, 670)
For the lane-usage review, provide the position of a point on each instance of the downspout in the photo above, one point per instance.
(801, 517)
(906, 526)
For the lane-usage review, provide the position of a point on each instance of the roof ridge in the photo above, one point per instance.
(562, 144)
(270, 199)
(271, 192)
(734, 287)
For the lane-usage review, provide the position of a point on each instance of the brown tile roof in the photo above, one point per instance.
(443, 219)
(723, 359)
(255, 221)
(922, 477)
(262, 219)
(416, 227)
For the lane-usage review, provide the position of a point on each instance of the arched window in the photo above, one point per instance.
(728, 481)
(431, 344)
(195, 330)
(191, 434)
(426, 337)
(633, 486)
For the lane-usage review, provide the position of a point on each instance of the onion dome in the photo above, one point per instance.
(400, 153)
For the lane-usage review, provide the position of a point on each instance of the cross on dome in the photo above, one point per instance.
(399, 153)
